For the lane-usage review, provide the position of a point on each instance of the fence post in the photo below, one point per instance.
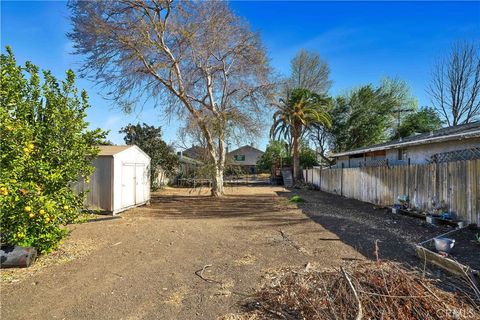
(407, 179)
(437, 182)
(341, 180)
(320, 179)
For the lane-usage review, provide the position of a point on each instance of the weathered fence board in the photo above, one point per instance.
(457, 183)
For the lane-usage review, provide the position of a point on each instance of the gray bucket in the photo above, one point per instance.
(444, 244)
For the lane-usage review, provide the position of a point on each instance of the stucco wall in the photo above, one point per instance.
(422, 154)
(251, 156)
(417, 154)
(353, 163)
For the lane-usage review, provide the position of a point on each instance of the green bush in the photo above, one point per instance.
(149, 139)
(45, 147)
(296, 199)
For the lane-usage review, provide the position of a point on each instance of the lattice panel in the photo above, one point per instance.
(374, 163)
(458, 155)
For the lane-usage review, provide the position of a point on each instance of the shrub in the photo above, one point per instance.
(149, 139)
(296, 199)
(45, 146)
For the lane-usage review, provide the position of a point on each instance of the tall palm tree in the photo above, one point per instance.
(301, 109)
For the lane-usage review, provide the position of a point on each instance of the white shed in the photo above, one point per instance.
(121, 179)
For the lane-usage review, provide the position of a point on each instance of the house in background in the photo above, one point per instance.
(121, 180)
(447, 144)
(245, 158)
(188, 166)
(195, 152)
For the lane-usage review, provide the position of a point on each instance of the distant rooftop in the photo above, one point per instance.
(245, 147)
(470, 130)
(195, 152)
(188, 160)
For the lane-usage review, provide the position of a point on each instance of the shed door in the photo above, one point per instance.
(139, 183)
(128, 185)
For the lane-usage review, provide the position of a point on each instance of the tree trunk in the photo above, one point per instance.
(217, 183)
(296, 159)
(217, 156)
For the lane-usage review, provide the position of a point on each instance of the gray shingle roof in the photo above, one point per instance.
(469, 130)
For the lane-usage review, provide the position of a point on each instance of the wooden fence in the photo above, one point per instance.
(457, 183)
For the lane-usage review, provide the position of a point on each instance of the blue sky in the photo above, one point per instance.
(362, 42)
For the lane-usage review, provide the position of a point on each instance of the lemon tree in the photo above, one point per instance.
(45, 147)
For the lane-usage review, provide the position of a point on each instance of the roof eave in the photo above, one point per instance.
(459, 136)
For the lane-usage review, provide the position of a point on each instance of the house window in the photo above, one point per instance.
(239, 157)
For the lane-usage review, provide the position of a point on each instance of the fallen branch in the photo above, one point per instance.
(291, 242)
(199, 273)
(359, 303)
(391, 296)
(365, 290)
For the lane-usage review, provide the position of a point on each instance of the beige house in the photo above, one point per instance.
(447, 144)
(195, 152)
(245, 157)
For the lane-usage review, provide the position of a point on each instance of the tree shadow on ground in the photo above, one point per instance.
(264, 210)
(355, 223)
(362, 226)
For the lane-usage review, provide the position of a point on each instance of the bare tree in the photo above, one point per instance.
(455, 85)
(310, 72)
(196, 57)
(236, 133)
(320, 135)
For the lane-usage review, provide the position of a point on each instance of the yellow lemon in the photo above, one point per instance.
(42, 212)
(31, 215)
(47, 219)
(27, 209)
(20, 235)
(65, 207)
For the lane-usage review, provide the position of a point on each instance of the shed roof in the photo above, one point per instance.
(470, 130)
(111, 150)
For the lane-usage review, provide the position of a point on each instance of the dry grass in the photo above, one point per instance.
(68, 251)
(368, 290)
(176, 298)
(247, 259)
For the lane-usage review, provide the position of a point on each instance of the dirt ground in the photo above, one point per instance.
(148, 263)
(360, 224)
(188, 256)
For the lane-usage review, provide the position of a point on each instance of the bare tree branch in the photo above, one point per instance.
(455, 86)
(310, 72)
(195, 58)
